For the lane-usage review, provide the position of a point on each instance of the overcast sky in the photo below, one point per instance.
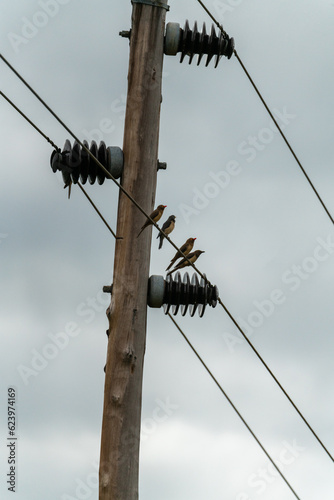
(233, 184)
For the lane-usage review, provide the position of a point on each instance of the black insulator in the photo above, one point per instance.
(84, 163)
(193, 42)
(76, 164)
(102, 157)
(188, 294)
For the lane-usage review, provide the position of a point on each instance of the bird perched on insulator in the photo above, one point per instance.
(167, 228)
(185, 249)
(184, 262)
(155, 216)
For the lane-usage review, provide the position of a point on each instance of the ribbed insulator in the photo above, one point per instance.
(173, 292)
(190, 42)
(186, 294)
(75, 163)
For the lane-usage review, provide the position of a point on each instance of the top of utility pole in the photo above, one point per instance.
(154, 3)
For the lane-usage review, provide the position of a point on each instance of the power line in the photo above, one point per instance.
(120, 187)
(29, 121)
(319, 198)
(107, 173)
(271, 116)
(233, 406)
(172, 243)
(212, 17)
(58, 149)
(274, 378)
(99, 213)
(284, 138)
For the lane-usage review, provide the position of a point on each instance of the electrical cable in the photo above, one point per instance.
(271, 116)
(174, 245)
(274, 378)
(233, 406)
(108, 174)
(319, 198)
(284, 138)
(129, 196)
(99, 213)
(219, 26)
(57, 149)
(29, 121)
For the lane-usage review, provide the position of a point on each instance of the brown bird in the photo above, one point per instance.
(167, 228)
(184, 263)
(186, 248)
(155, 216)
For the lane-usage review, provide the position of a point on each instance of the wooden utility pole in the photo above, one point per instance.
(127, 313)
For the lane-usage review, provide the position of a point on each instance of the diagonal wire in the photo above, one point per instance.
(319, 198)
(98, 211)
(107, 173)
(212, 17)
(274, 378)
(57, 149)
(29, 121)
(233, 406)
(284, 138)
(175, 246)
(271, 115)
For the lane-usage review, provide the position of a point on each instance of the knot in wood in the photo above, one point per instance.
(129, 356)
(116, 399)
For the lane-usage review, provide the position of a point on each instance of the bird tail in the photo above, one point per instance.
(144, 226)
(171, 264)
(172, 270)
(161, 240)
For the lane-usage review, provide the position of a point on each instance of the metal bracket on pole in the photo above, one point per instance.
(156, 3)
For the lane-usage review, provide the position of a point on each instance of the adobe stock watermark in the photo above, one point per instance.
(162, 412)
(225, 7)
(31, 27)
(219, 181)
(292, 278)
(108, 124)
(3, 236)
(41, 358)
(265, 476)
(85, 488)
